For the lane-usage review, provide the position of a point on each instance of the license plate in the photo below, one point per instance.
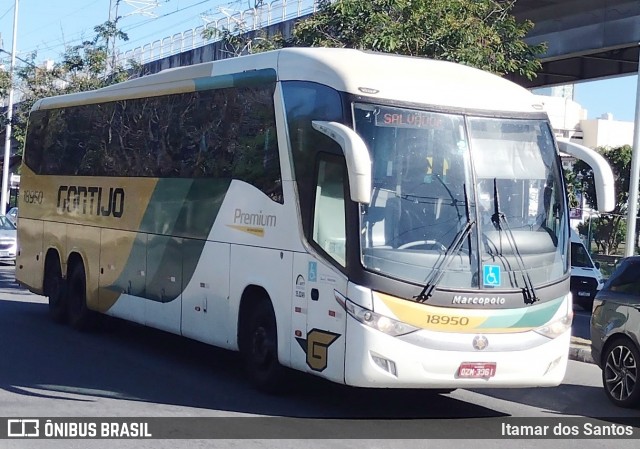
(584, 294)
(4, 253)
(475, 370)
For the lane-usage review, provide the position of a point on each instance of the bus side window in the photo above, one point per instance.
(329, 212)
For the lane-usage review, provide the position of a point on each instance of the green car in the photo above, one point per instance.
(615, 333)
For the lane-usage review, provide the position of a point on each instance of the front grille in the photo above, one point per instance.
(5, 245)
(582, 283)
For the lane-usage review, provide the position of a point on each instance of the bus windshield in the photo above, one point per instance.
(487, 192)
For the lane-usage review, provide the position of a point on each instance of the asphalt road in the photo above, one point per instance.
(125, 370)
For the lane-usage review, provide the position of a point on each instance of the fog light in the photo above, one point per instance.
(386, 364)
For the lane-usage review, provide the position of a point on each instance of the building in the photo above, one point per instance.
(569, 120)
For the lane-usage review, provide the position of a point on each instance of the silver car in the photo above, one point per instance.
(8, 240)
(615, 333)
(12, 214)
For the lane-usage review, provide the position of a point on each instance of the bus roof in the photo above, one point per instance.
(402, 78)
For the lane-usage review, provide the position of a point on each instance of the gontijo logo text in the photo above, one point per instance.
(91, 200)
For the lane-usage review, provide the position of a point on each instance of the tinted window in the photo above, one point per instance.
(579, 256)
(626, 279)
(305, 102)
(223, 133)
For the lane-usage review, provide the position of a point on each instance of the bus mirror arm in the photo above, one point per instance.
(356, 155)
(603, 176)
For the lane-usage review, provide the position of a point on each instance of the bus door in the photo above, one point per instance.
(317, 278)
(318, 321)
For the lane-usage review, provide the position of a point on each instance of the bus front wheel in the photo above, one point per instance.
(54, 287)
(259, 348)
(80, 317)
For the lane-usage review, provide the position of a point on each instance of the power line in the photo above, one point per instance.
(6, 12)
(125, 28)
(56, 21)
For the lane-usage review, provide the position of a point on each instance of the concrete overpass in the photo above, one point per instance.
(587, 39)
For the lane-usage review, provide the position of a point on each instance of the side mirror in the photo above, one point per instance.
(597, 264)
(603, 176)
(356, 155)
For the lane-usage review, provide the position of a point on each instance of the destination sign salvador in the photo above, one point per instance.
(404, 118)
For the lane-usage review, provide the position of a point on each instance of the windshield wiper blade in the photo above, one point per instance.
(454, 201)
(443, 262)
(498, 218)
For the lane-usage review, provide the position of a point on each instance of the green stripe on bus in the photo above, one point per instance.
(245, 79)
(178, 220)
(534, 316)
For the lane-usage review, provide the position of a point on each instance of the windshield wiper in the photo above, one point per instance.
(416, 198)
(498, 218)
(454, 200)
(445, 261)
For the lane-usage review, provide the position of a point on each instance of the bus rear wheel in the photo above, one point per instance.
(259, 348)
(54, 287)
(80, 317)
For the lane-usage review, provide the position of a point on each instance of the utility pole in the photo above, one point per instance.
(113, 19)
(632, 204)
(7, 140)
(142, 7)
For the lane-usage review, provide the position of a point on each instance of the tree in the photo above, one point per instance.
(82, 67)
(604, 233)
(479, 33)
(5, 83)
(239, 39)
(574, 185)
(609, 229)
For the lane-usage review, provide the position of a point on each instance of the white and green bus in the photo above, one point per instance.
(376, 220)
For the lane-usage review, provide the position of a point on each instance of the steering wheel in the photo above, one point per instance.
(431, 244)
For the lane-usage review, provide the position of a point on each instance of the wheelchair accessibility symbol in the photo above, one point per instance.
(491, 275)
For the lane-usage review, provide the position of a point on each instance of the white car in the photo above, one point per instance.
(8, 240)
(586, 278)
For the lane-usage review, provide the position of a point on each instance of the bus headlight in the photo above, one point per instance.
(556, 328)
(376, 321)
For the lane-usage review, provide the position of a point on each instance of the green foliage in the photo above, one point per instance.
(238, 41)
(608, 230)
(82, 67)
(5, 83)
(574, 185)
(479, 33)
(606, 233)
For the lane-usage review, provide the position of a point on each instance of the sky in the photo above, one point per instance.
(46, 26)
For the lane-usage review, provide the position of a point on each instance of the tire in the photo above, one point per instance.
(79, 315)
(55, 289)
(620, 372)
(259, 349)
